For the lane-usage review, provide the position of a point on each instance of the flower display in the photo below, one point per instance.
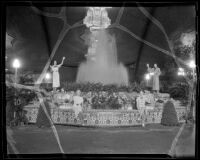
(97, 100)
(98, 96)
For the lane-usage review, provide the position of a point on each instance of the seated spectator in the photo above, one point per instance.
(63, 91)
(150, 98)
(71, 97)
(78, 103)
(141, 107)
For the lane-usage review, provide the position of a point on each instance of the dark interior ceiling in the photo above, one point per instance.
(36, 35)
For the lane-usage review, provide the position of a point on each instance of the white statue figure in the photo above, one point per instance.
(150, 71)
(156, 75)
(78, 103)
(140, 101)
(56, 76)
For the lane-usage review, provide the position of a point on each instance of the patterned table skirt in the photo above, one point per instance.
(102, 117)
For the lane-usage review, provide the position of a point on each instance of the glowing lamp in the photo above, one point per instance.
(16, 63)
(47, 76)
(181, 69)
(147, 76)
(192, 64)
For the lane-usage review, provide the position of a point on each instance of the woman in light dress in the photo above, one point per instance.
(150, 71)
(156, 75)
(56, 76)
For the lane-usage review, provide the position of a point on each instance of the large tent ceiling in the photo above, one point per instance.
(37, 35)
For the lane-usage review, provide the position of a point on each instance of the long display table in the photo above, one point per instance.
(102, 117)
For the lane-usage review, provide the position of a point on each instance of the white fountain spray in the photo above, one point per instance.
(102, 64)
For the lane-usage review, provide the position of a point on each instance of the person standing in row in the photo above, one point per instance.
(156, 75)
(141, 107)
(78, 103)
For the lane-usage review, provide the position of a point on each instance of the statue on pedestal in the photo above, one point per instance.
(150, 72)
(156, 75)
(56, 76)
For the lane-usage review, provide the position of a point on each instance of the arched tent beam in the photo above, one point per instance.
(66, 27)
(61, 36)
(38, 92)
(119, 14)
(61, 15)
(168, 53)
(46, 34)
(145, 32)
(148, 43)
(160, 26)
(170, 44)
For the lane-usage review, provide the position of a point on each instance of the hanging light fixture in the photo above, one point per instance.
(97, 18)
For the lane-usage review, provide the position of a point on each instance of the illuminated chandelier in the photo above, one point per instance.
(97, 18)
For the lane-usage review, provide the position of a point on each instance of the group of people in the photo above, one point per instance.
(78, 100)
(74, 100)
(94, 99)
(44, 113)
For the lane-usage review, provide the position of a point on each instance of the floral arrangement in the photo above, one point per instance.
(98, 99)
(106, 100)
(86, 87)
(16, 99)
(179, 90)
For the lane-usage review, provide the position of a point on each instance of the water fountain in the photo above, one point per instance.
(102, 65)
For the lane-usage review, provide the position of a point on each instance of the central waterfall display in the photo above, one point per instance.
(102, 64)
